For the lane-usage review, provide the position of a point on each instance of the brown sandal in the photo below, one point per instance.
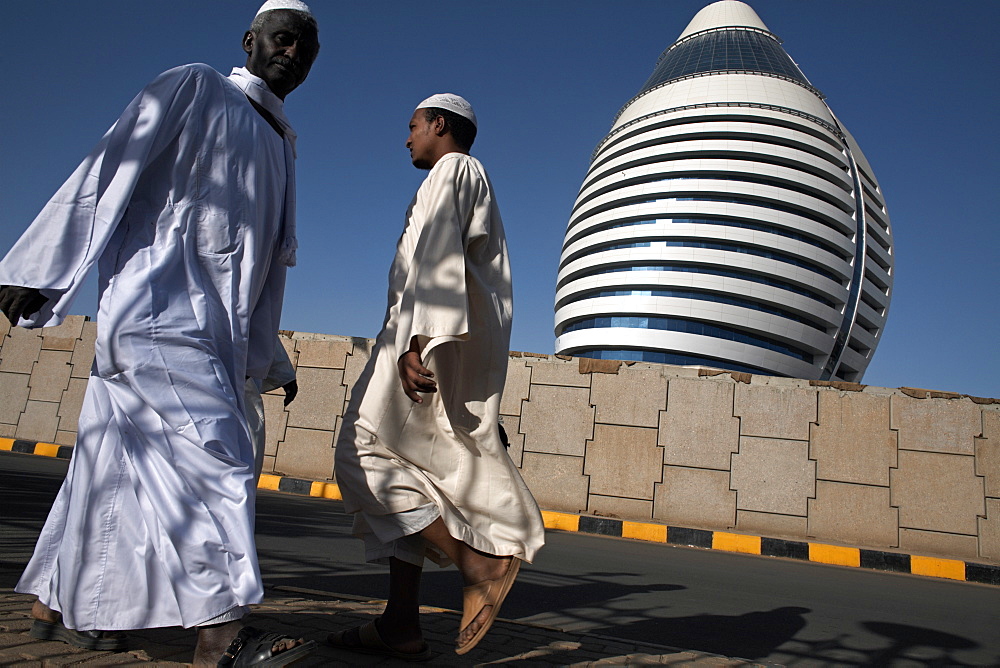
(478, 596)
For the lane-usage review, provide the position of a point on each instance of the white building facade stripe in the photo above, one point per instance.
(727, 220)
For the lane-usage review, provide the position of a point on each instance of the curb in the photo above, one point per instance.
(820, 553)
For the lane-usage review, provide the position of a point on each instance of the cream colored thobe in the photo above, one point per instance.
(450, 287)
(185, 207)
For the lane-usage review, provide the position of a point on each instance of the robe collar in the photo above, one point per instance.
(255, 89)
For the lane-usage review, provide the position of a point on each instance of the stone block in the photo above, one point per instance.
(305, 453)
(4, 329)
(623, 461)
(72, 404)
(13, 396)
(556, 481)
(20, 350)
(989, 532)
(38, 422)
(64, 336)
(853, 514)
(512, 427)
(83, 353)
(289, 345)
(8, 430)
(775, 411)
(355, 364)
(773, 476)
(987, 453)
(331, 354)
(65, 438)
(699, 498)
(772, 525)
(275, 422)
(336, 431)
(557, 372)
(937, 492)
(268, 466)
(853, 441)
(557, 420)
(935, 544)
(320, 399)
(698, 428)
(937, 425)
(50, 375)
(635, 510)
(517, 387)
(634, 396)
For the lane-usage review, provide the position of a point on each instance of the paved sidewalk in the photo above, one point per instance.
(314, 614)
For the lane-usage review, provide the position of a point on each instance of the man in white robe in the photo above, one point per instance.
(419, 458)
(187, 208)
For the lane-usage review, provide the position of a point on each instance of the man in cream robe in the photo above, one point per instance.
(410, 455)
(187, 208)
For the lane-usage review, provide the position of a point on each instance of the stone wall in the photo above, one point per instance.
(906, 469)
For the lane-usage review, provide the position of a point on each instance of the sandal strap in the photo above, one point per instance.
(249, 639)
(474, 599)
(369, 636)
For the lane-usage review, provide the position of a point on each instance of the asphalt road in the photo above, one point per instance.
(783, 611)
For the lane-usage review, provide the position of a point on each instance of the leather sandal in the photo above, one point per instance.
(486, 593)
(102, 641)
(253, 647)
(370, 642)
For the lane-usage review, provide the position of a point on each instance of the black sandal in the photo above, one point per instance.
(102, 641)
(252, 647)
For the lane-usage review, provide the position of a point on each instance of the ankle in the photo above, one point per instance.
(44, 613)
(484, 567)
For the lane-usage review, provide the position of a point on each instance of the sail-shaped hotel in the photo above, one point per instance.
(728, 219)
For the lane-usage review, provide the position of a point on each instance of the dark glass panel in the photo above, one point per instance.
(725, 50)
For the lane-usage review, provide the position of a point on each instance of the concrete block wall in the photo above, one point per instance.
(889, 469)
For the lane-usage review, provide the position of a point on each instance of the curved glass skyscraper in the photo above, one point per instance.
(728, 219)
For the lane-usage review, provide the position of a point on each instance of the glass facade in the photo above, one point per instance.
(688, 327)
(746, 276)
(700, 296)
(662, 357)
(724, 50)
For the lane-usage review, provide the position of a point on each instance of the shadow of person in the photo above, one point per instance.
(753, 635)
(915, 643)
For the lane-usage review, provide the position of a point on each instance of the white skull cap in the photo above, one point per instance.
(451, 102)
(297, 5)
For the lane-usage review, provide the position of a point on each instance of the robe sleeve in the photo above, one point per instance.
(68, 236)
(435, 306)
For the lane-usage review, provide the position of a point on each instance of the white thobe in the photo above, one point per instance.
(450, 287)
(182, 206)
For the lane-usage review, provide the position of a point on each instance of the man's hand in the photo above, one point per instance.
(414, 376)
(17, 302)
(291, 389)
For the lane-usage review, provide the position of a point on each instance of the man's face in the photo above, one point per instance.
(422, 141)
(283, 52)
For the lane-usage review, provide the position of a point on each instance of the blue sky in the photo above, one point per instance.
(915, 82)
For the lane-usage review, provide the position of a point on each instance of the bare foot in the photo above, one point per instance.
(214, 640)
(43, 612)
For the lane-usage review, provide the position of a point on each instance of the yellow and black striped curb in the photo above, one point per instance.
(820, 553)
(35, 448)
